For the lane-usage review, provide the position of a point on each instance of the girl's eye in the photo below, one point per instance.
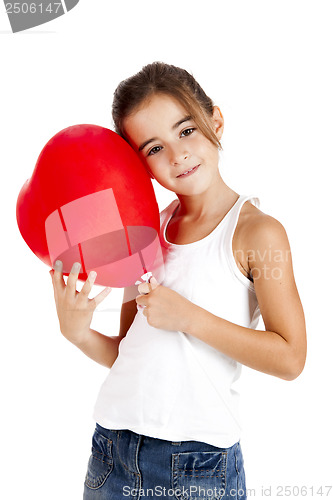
(154, 150)
(184, 133)
(188, 131)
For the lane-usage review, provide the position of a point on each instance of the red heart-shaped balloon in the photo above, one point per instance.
(91, 200)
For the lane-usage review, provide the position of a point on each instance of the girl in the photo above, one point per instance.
(167, 414)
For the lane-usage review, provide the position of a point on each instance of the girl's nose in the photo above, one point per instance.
(178, 157)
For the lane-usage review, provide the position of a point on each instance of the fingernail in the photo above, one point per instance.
(92, 276)
(76, 267)
(58, 265)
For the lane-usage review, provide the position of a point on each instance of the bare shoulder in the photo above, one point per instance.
(253, 224)
(256, 231)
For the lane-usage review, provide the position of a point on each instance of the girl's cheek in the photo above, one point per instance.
(155, 163)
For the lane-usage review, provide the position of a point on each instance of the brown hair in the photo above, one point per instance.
(159, 77)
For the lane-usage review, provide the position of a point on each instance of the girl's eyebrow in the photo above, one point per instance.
(176, 125)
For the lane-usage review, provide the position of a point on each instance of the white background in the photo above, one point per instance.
(268, 65)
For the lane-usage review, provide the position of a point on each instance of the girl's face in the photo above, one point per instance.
(170, 144)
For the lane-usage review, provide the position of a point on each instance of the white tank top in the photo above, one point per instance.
(169, 384)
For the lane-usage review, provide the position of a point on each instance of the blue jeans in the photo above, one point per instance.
(124, 465)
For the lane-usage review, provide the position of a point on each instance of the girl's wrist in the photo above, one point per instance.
(78, 339)
(190, 318)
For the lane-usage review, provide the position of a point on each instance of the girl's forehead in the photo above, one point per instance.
(159, 104)
(158, 113)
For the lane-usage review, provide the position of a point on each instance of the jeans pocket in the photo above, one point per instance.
(100, 462)
(199, 475)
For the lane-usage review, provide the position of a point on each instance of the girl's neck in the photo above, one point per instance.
(206, 205)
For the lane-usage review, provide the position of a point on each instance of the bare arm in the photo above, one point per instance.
(75, 311)
(104, 349)
(281, 349)
(99, 347)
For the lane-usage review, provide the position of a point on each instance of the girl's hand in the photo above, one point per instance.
(164, 308)
(74, 309)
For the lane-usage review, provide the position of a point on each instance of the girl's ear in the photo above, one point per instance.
(218, 122)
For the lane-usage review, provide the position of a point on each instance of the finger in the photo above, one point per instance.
(144, 288)
(100, 297)
(57, 277)
(86, 289)
(153, 283)
(72, 278)
(141, 300)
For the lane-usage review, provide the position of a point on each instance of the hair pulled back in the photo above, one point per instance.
(159, 77)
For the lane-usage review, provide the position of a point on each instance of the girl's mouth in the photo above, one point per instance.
(189, 172)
